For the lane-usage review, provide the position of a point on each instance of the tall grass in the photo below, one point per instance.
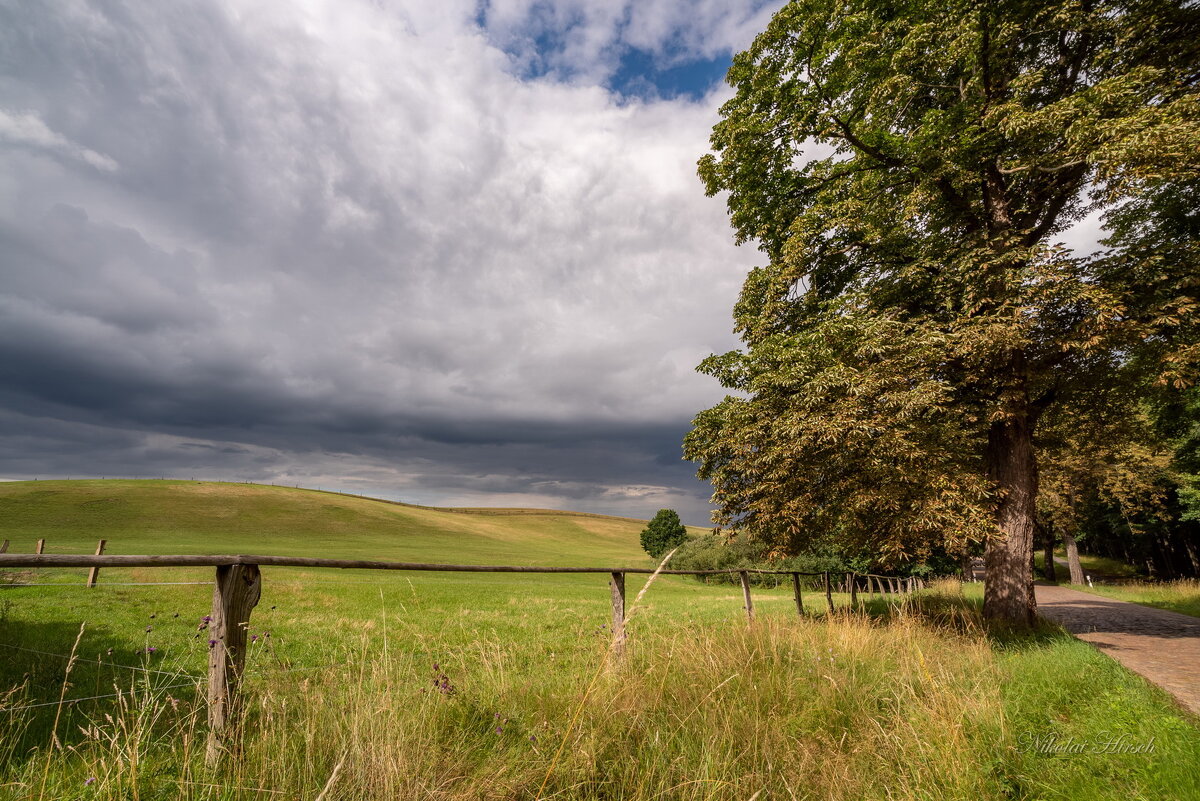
(917, 704)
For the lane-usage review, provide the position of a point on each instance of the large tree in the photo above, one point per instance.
(907, 170)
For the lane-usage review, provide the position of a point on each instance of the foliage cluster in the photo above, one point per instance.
(664, 532)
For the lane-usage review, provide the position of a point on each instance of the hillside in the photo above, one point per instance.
(150, 516)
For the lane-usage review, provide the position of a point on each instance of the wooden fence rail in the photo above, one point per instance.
(238, 587)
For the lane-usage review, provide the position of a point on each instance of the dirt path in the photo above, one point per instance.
(1164, 647)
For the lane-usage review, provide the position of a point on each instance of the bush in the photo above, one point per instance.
(714, 552)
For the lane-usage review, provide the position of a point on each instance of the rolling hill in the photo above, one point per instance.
(152, 516)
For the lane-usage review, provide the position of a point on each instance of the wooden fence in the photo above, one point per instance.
(238, 587)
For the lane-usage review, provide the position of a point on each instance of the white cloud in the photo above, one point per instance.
(27, 130)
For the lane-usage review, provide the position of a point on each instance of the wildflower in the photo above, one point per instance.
(151, 650)
(89, 780)
(206, 619)
(154, 616)
(441, 682)
(499, 730)
(532, 739)
(149, 629)
(253, 638)
(212, 643)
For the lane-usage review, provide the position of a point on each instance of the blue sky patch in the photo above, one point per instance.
(639, 76)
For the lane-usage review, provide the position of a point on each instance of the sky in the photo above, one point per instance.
(454, 254)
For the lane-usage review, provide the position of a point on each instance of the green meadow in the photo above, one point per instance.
(382, 685)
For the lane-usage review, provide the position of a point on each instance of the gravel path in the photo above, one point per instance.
(1164, 647)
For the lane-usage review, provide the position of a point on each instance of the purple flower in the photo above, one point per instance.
(212, 643)
(499, 730)
(89, 780)
(151, 649)
(253, 638)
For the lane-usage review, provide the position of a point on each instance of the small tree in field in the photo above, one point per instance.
(664, 533)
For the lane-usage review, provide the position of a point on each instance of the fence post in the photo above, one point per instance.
(617, 589)
(41, 547)
(796, 592)
(853, 579)
(235, 594)
(745, 577)
(828, 591)
(4, 547)
(95, 571)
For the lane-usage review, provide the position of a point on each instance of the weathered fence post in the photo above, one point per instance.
(95, 571)
(828, 591)
(853, 579)
(41, 547)
(745, 577)
(4, 547)
(617, 588)
(796, 593)
(237, 590)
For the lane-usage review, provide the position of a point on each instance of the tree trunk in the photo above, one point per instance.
(1008, 593)
(1073, 559)
(1193, 557)
(1048, 557)
(968, 574)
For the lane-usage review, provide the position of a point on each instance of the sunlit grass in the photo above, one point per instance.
(1182, 595)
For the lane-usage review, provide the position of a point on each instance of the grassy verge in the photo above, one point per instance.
(1177, 596)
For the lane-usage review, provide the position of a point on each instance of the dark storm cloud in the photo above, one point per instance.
(335, 243)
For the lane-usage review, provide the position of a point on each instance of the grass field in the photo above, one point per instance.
(423, 685)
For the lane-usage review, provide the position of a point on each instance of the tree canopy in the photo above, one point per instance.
(663, 533)
(908, 170)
